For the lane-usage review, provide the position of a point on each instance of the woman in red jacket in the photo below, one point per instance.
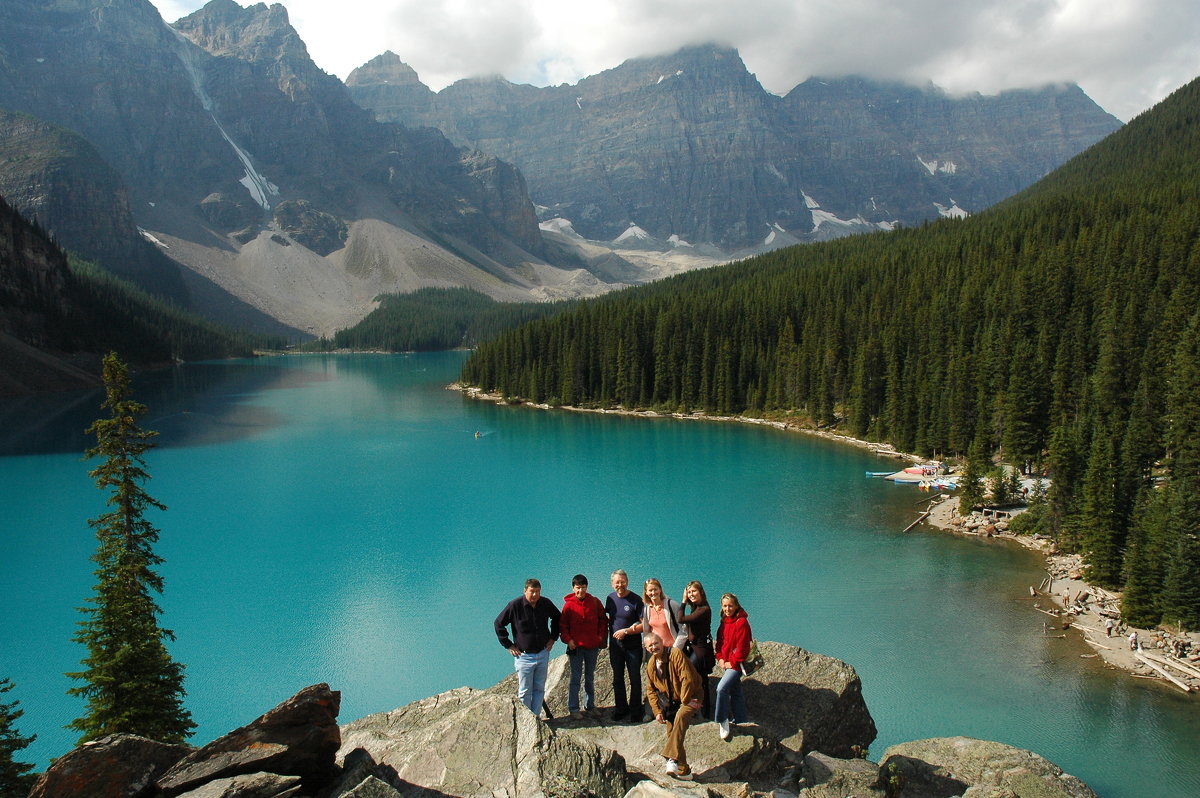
(733, 646)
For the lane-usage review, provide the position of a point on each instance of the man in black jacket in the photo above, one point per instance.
(535, 627)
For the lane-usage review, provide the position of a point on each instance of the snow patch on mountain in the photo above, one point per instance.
(952, 211)
(633, 232)
(935, 166)
(146, 234)
(661, 78)
(559, 225)
(809, 202)
(676, 241)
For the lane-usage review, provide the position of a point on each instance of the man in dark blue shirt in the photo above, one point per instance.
(535, 627)
(624, 610)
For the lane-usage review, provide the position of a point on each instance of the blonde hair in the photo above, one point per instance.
(646, 589)
(737, 605)
(695, 583)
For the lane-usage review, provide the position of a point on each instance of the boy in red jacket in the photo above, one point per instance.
(584, 629)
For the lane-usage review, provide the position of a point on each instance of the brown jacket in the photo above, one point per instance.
(685, 684)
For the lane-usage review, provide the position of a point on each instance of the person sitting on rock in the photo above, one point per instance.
(584, 629)
(535, 625)
(673, 688)
(733, 647)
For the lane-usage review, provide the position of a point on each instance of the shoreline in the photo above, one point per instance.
(1069, 600)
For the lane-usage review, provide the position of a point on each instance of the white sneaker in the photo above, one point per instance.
(724, 730)
(672, 767)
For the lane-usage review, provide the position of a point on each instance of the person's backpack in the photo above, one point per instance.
(754, 660)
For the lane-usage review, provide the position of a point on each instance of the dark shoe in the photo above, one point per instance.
(619, 715)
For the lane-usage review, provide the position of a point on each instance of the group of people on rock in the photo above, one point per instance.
(673, 639)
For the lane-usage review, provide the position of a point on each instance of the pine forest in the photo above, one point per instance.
(1058, 332)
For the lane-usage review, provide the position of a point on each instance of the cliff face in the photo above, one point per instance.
(691, 145)
(55, 176)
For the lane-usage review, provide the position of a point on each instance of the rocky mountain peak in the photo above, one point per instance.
(254, 33)
(384, 68)
(702, 67)
(689, 144)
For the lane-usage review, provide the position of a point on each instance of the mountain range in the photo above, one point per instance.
(212, 162)
(689, 147)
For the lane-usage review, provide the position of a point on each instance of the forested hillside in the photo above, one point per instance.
(1059, 331)
(436, 318)
(58, 315)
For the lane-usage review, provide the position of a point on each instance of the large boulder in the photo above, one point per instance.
(479, 743)
(297, 738)
(952, 766)
(810, 702)
(116, 766)
(747, 757)
(828, 777)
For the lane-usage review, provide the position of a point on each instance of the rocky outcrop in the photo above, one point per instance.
(116, 766)
(478, 743)
(810, 702)
(690, 144)
(952, 766)
(469, 742)
(319, 231)
(297, 738)
(804, 701)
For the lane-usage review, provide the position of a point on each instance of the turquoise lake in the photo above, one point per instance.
(337, 519)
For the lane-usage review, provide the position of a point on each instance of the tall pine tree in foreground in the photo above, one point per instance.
(16, 780)
(130, 682)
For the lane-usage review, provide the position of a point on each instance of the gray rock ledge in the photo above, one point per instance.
(809, 734)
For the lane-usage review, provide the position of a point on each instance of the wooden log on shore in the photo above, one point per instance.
(1187, 688)
(920, 518)
(1092, 642)
(1176, 664)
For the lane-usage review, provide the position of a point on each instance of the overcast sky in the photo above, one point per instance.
(1126, 54)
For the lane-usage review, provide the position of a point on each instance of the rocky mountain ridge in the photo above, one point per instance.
(809, 732)
(253, 172)
(690, 148)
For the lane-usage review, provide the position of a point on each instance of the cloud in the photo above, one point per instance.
(1126, 54)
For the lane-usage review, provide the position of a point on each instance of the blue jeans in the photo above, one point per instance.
(531, 679)
(583, 662)
(731, 703)
(626, 661)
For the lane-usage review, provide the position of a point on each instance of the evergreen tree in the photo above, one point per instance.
(1144, 561)
(970, 487)
(1181, 588)
(1101, 527)
(16, 778)
(130, 682)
